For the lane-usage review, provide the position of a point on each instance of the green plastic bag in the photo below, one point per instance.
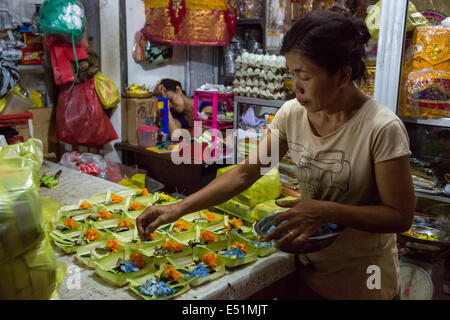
(269, 208)
(32, 275)
(24, 155)
(64, 17)
(414, 19)
(21, 220)
(268, 187)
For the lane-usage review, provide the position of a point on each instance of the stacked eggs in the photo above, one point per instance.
(260, 76)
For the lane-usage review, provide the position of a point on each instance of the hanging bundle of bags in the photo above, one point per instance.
(80, 117)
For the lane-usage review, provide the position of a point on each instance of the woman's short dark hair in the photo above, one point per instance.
(330, 40)
(171, 85)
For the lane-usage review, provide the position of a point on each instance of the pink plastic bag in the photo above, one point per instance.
(80, 119)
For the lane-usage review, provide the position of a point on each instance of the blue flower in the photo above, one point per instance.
(235, 252)
(261, 244)
(153, 288)
(128, 267)
(199, 271)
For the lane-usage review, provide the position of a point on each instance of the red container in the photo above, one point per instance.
(15, 140)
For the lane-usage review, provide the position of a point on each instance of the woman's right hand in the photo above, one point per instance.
(156, 216)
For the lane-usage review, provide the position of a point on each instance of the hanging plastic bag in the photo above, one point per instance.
(107, 91)
(61, 54)
(65, 17)
(268, 187)
(414, 19)
(80, 118)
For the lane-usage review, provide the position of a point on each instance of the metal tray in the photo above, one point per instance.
(316, 242)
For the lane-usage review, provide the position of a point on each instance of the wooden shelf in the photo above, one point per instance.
(252, 21)
(260, 102)
(436, 197)
(32, 67)
(441, 122)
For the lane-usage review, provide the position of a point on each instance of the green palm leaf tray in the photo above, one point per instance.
(66, 240)
(192, 238)
(89, 253)
(180, 287)
(233, 262)
(248, 238)
(151, 251)
(185, 265)
(197, 217)
(220, 228)
(104, 267)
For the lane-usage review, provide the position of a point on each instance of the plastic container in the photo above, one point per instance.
(148, 136)
(15, 140)
(16, 104)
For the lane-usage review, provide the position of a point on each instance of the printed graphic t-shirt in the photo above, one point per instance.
(340, 167)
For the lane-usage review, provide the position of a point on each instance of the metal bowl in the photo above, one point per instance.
(315, 243)
(424, 244)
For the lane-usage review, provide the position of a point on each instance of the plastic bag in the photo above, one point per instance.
(24, 155)
(117, 171)
(80, 118)
(66, 17)
(20, 211)
(145, 51)
(426, 75)
(61, 54)
(32, 276)
(268, 187)
(414, 19)
(2, 104)
(107, 91)
(36, 97)
(9, 76)
(87, 163)
(269, 208)
(425, 94)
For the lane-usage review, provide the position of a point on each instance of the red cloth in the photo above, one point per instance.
(61, 53)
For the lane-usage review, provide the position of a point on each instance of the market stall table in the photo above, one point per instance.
(84, 284)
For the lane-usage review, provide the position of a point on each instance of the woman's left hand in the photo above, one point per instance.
(303, 220)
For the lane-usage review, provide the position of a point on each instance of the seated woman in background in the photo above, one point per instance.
(181, 107)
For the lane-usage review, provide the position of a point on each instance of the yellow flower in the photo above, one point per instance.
(208, 260)
(113, 245)
(180, 225)
(170, 273)
(70, 223)
(210, 216)
(138, 259)
(236, 223)
(172, 246)
(164, 197)
(135, 206)
(91, 235)
(116, 199)
(207, 236)
(142, 193)
(104, 215)
(240, 246)
(85, 206)
(124, 223)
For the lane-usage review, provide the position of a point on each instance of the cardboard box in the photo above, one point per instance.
(134, 114)
(43, 128)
